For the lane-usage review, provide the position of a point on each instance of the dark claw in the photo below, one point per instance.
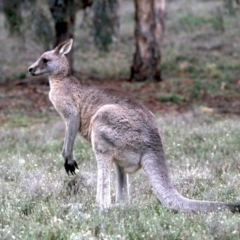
(234, 208)
(70, 166)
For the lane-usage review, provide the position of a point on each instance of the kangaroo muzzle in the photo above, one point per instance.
(30, 70)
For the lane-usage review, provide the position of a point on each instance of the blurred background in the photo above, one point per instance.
(171, 54)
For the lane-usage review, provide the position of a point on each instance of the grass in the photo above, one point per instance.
(39, 200)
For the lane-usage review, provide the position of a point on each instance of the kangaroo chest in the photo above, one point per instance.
(58, 102)
(66, 106)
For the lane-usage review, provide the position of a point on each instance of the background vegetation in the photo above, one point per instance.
(200, 54)
(200, 69)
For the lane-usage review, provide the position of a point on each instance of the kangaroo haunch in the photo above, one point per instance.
(121, 130)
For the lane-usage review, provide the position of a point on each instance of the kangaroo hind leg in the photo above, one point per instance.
(122, 191)
(103, 180)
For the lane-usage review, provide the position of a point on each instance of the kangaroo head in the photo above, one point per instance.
(53, 62)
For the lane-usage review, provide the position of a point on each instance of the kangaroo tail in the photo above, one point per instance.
(157, 171)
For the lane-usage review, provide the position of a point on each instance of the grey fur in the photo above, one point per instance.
(121, 130)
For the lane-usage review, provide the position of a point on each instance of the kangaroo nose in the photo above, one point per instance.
(30, 70)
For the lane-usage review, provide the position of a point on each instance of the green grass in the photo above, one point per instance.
(39, 200)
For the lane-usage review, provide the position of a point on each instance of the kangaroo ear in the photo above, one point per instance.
(64, 47)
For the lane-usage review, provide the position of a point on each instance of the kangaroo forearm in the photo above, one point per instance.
(67, 150)
(72, 126)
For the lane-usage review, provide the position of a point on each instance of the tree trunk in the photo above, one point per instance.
(149, 19)
(106, 22)
(63, 13)
(12, 11)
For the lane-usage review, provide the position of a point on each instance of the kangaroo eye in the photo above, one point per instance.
(45, 60)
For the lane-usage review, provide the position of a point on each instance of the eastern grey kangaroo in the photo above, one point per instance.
(121, 130)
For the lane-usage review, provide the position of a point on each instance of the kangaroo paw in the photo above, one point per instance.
(70, 166)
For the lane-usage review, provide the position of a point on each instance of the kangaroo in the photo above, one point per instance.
(122, 132)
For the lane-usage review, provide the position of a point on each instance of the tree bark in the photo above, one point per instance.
(149, 26)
